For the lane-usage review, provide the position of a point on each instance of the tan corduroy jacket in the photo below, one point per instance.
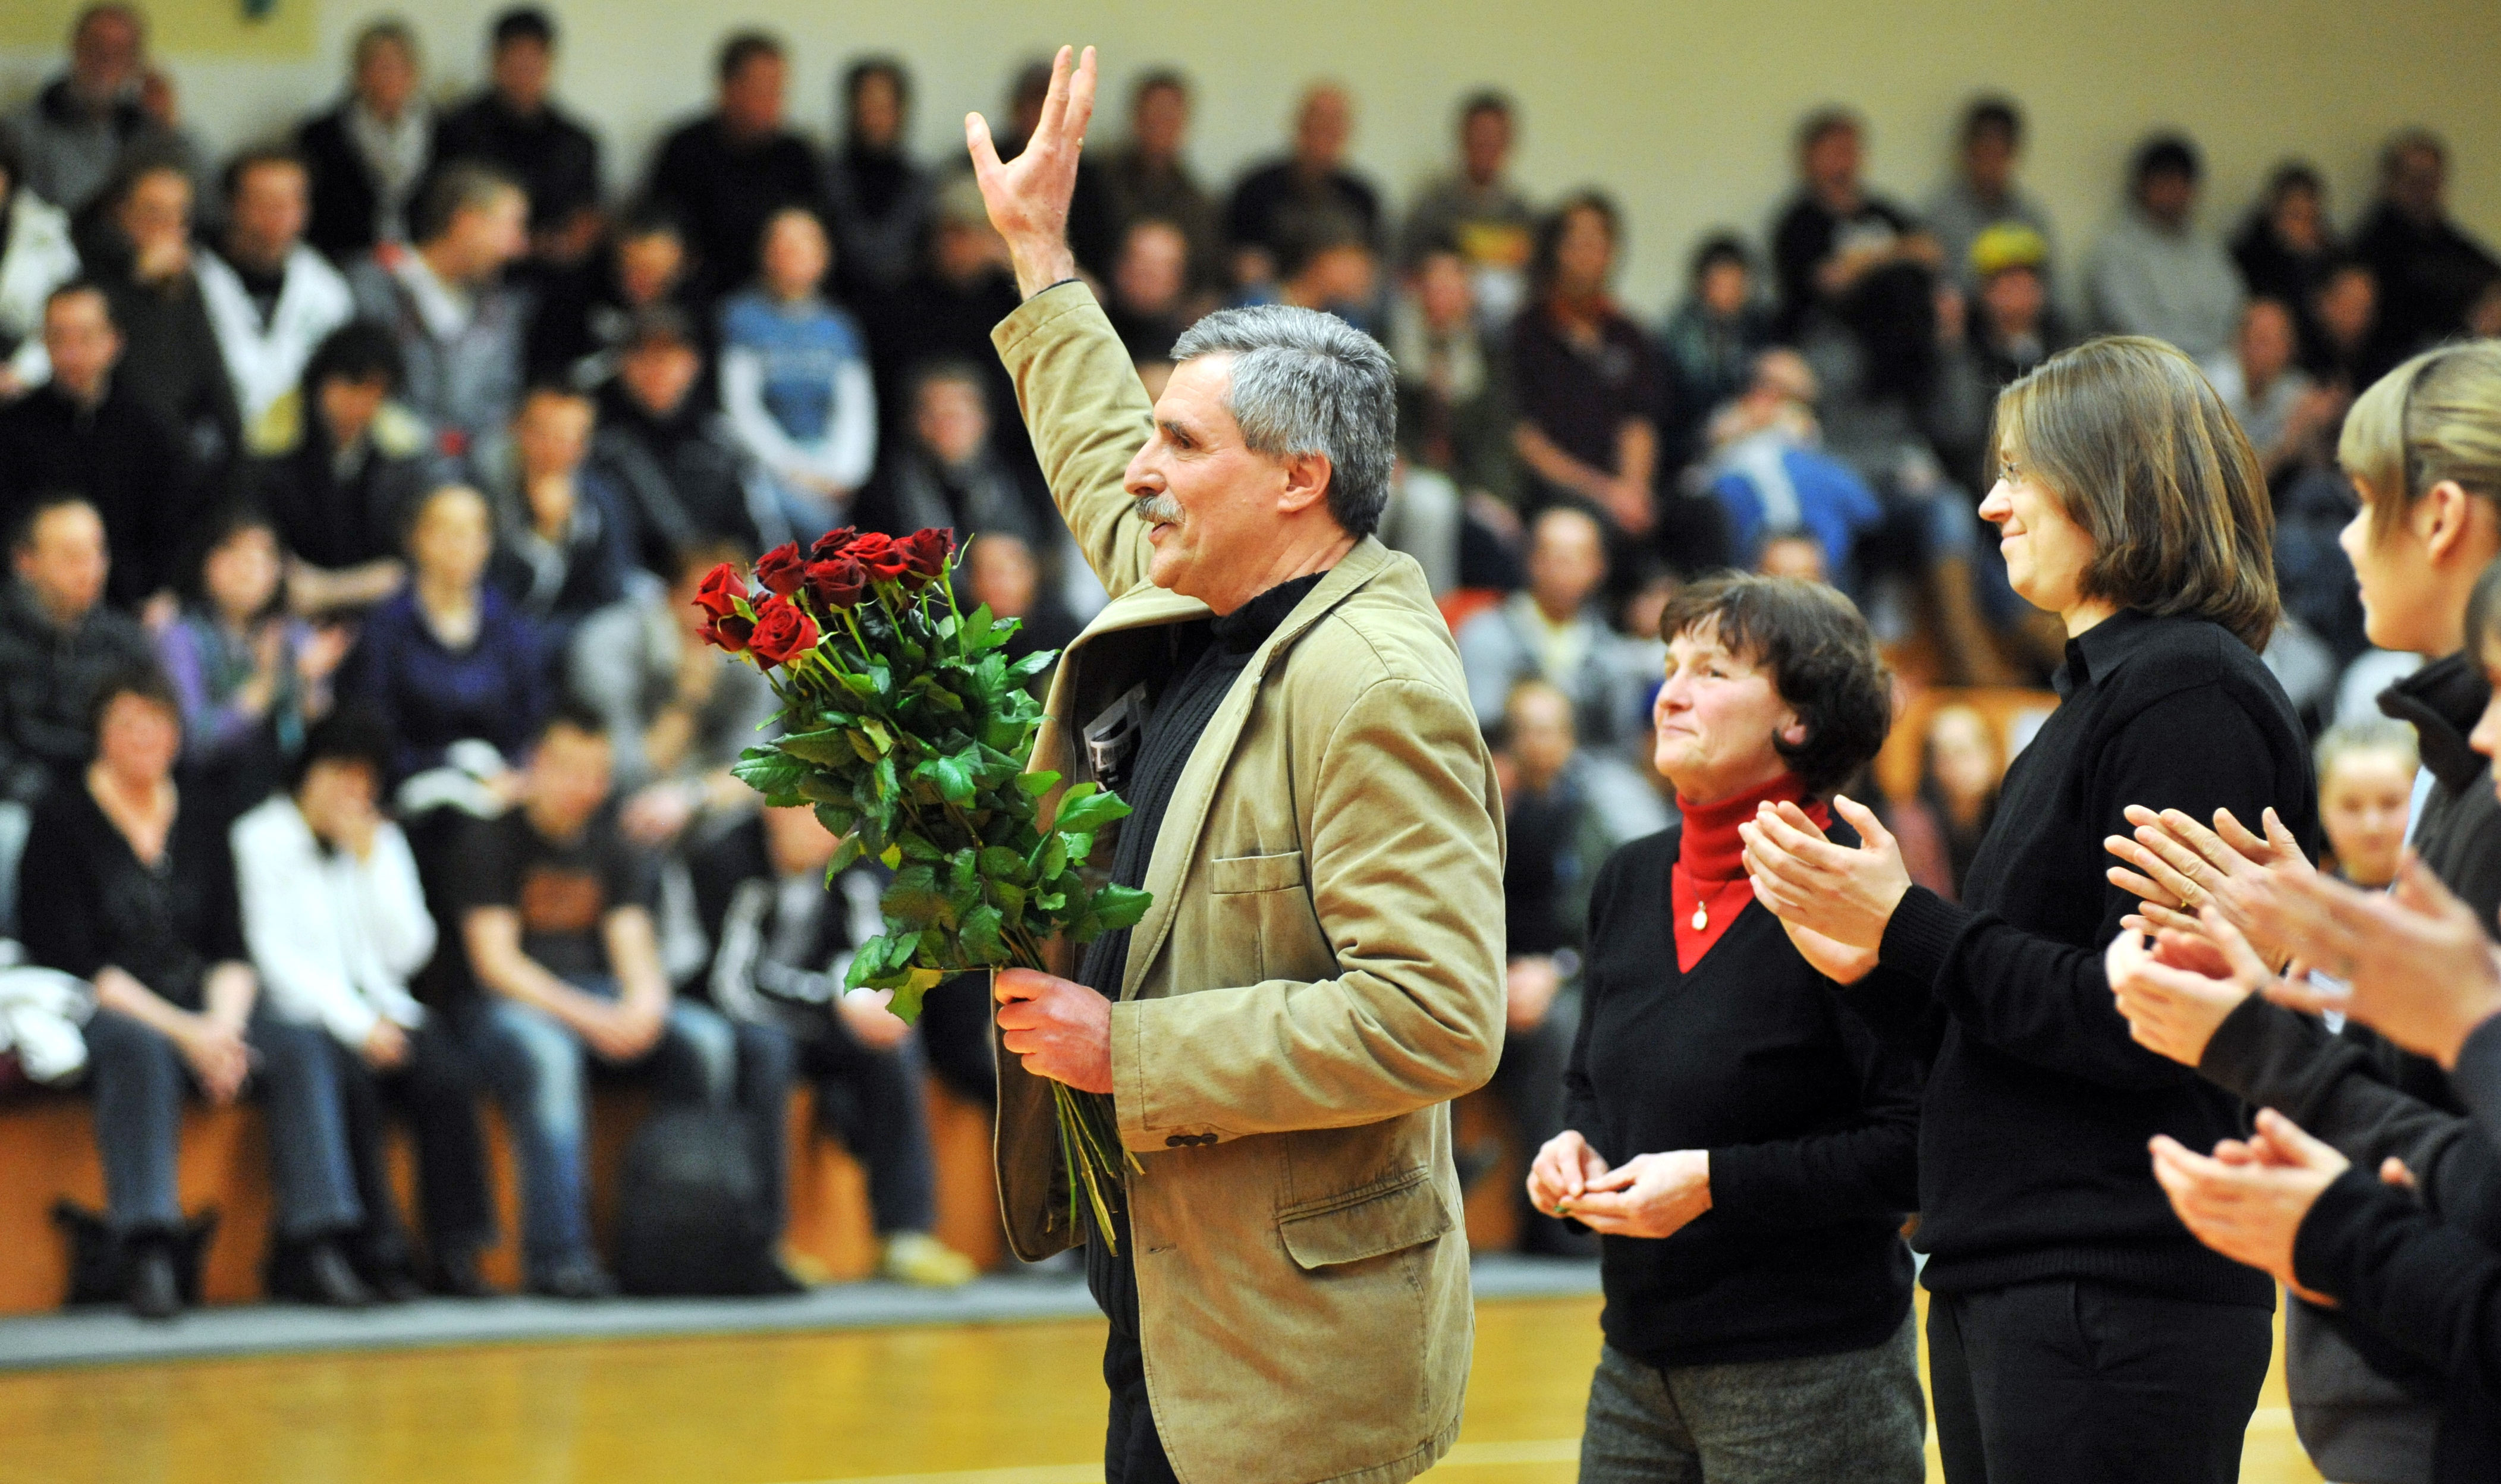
(1321, 972)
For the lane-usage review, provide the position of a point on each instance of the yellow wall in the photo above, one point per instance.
(1683, 109)
(286, 30)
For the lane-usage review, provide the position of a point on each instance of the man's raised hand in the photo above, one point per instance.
(1028, 196)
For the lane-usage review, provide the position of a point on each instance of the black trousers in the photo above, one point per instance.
(437, 1092)
(1133, 1451)
(2076, 1380)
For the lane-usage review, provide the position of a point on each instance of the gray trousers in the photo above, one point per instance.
(1852, 1418)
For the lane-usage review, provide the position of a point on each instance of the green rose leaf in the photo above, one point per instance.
(1088, 814)
(981, 935)
(1036, 785)
(914, 897)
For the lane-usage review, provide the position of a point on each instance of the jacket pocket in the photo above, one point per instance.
(1359, 1225)
(1234, 875)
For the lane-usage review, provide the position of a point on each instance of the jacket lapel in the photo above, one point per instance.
(1177, 843)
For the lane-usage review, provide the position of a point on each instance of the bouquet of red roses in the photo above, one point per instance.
(906, 725)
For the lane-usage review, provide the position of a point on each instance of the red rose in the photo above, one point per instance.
(834, 543)
(837, 581)
(720, 591)
(782, 570)
(781, 632)
(927, 550)
(879, 553)
(730, 631)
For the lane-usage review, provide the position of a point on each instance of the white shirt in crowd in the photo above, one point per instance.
(265, 359)
(335, 938)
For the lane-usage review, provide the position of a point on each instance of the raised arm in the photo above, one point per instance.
(1078, 391)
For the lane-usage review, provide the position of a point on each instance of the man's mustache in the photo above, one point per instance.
(1159, 510)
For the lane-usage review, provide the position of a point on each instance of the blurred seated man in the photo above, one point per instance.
(108, 107)
(82, 432)
(336, 926)
(583, 320)
(1776, 484)
(1306, 194)
(947, 311)
(781, 937)
(727, 171)
(1478, 209)
(565, 545)
(513, 124)
(136, 895)
(678, 710)
(2153, 273)
(2428, 267)
(1148, 178)
(2011, 327)
(58, 644)
(949, 472)
(556, 918)
(446, 301)
(1558, 838)
(1983, 192)
(137, 246)
(1715, 335)
(1556, 632)
(2343, 348)
(340, 468)
(1330, 269)
(671, 453)
(1151, 302)
(270, 299)
(1836, 232)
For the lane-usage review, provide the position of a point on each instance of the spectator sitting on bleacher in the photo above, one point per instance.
(1713, 337)
(513, 124)
(444, 298)
(794, 376)
(340, 468)
(2153, 272)
(368, 156)
(1554, 632)
(249, 678)
(1775, 481)
(58, 644)
(1557, 840)
(583, 322)
(950, 474)
(36, 257)
(85, 123)
(565, 543)
(337, 924)
(448, 660)
(84, 433)
(1479, 209)
(728, 171)
(1454, 406)
(136, 243)
(1151, 304)
(662, 442)
(556, 913)
(781, 938)
(271, 300)
(136, 895)
(678, 710)
(879, 197)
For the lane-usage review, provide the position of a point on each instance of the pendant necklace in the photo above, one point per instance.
(1701, 918)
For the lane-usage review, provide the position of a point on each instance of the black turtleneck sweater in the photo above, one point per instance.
(2037, 1106)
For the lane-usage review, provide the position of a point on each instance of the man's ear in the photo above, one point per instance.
(1306, 482)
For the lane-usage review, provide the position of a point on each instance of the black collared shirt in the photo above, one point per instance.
(2037, 1106)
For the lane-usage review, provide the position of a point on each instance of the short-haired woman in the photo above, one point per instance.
(136, 895)
(1743, 1145)
(2078, 1329)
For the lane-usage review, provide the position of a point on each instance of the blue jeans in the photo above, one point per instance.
(538, 1069)
(139, 1079)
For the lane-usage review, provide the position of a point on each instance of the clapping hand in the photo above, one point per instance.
(2179, 862)
(2177, 990)
(2421, 968)
(1028, 196)
(1837, 894)
(2247, 1201)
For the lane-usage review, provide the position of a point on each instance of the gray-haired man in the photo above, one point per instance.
(1317, 820)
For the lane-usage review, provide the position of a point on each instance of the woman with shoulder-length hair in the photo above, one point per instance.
(2077, 1330)
(1743, 1145)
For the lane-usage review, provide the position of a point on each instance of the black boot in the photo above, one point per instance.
(149, 1284)
(456, 1274)
(318, 1274)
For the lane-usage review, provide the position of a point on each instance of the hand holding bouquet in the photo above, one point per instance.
(906, 725)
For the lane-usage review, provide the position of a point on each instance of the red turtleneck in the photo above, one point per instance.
(1709, 877)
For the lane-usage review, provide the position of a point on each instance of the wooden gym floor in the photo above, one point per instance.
(1001, 1404)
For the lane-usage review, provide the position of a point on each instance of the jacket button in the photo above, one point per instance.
(1177, 1141)
(1207, 1138)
